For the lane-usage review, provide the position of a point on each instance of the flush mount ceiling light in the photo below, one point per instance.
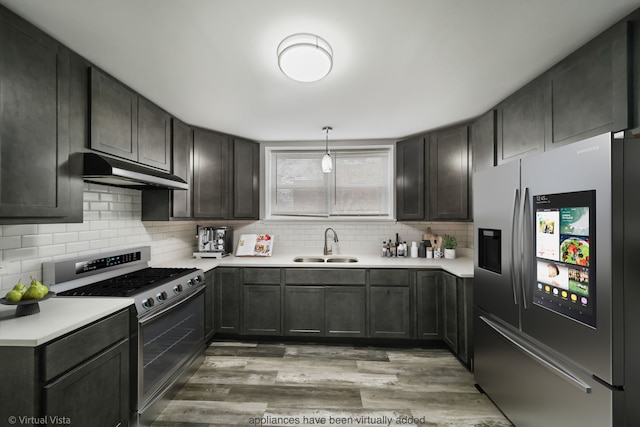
(327, 163)
(305, 57)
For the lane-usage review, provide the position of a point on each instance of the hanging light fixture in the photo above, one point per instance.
(327, 163)
(305, 57)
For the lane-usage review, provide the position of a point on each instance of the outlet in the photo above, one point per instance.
(4, 268)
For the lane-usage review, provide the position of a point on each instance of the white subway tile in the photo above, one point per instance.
(10, 242)
(36, 240)
(19, 230)
(65, 237)
(51, 250)
(19, 254)
(78, 246)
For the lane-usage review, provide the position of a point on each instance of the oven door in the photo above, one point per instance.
(168, 342)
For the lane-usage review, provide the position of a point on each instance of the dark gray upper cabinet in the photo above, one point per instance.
(246, 179)
(210, 174)
(589, 89)
(36, 161)
(114, 117)
(126, 125)
(523, 121)
(154, 135)
(410, 175)
(449, 174)
(482, 136)
(182, 166)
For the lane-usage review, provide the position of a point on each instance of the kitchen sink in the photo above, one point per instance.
(342, 259)
(308, 259)
(319, 259)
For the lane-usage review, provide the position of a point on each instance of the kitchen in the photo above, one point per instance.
(113, 218)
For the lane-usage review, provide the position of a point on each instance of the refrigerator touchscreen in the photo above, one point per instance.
(564, 249)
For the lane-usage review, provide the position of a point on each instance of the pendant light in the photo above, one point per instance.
(327, 163)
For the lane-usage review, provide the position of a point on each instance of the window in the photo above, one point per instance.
(360, 184)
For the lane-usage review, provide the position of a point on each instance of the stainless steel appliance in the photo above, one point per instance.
(168, 337)
(214, 242)
(556, 285)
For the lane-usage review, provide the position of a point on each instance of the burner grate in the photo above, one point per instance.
(129, 284)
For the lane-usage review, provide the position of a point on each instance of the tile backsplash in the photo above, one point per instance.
(112, 220)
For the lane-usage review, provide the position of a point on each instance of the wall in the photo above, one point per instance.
(112, 221)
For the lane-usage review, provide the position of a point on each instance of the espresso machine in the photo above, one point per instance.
(214, 242)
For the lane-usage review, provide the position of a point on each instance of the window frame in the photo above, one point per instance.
(268, 179)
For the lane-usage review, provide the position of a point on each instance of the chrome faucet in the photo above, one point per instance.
(327, 249)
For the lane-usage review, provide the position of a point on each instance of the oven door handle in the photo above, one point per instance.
(184, 300)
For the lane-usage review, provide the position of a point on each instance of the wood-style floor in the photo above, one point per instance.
(250, 384)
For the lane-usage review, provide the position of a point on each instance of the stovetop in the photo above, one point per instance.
(130, 284)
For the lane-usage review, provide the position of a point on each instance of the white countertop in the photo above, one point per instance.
(58, 316)
(462, 266)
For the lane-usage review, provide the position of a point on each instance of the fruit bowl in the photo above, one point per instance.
(27, 307)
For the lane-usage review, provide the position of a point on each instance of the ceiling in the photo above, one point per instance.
(400, 67)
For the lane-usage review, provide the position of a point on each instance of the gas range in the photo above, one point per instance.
(122, 274)
(168, 340)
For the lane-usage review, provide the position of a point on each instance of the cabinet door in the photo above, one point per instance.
(390, 315)
(522, 122)
(154, 135)
(114, 117)
(304, 310)
(344, 311)
(261, 310)
(429, 302)
(246, 179)
(483, 141)
(209, 298)
(34, 123)
(228, 300)
(210, 174)
(182, 161)
(450, 307)
(410, 174)
(94, 393)
(449, 174)
(465, 320)
(589, 89)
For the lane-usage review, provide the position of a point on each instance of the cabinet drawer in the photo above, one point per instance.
(262, 276)
(71, 350)
(389, 277)
(321, 276)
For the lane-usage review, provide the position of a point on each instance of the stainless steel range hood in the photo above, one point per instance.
(109, 171)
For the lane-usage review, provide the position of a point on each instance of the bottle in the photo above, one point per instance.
(414, 250)
(405, 249)
(385, 249)
(400, 250)
(393, 249)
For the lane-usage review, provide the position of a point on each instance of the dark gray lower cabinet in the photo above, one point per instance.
(304, 310)
(450, 308)
(390, 315)
(209, 313)
(82, 378)
(261, 310)
(227, 300)
(94, 393)
(345, 311)
(428, 304)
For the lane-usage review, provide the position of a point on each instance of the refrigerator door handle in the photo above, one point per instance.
(514, 229)
(525, 232)
(549, 364)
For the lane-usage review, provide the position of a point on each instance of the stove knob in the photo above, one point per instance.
(162, 296)
(177, 289)
(197, 278)
(148, 303)
(189, 282)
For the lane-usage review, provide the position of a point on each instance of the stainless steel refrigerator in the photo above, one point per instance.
(557, 285)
